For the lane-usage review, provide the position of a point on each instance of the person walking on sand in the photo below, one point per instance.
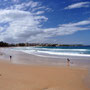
(68, 62)
(10, 58)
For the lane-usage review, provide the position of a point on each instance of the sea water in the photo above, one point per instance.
(79, 51)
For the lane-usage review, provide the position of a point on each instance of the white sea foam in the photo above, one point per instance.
(65, 54)
(51, 51)
(65, 49)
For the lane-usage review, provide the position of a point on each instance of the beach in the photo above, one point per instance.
(37, 74)
(25, 77)
(44, 44)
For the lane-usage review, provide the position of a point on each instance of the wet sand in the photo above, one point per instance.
(24, 58)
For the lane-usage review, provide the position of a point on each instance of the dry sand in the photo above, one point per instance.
(27, 77)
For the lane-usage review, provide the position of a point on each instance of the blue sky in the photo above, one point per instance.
(45, 21)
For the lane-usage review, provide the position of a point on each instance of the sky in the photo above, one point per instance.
(45, 21)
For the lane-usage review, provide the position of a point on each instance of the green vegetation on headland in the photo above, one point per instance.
(4, 44)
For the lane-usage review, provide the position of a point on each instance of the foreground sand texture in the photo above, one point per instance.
(25, 77)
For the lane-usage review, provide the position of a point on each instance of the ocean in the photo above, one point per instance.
(62, 51)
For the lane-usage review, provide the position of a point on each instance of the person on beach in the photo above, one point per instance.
(68, 62)
(10, 58)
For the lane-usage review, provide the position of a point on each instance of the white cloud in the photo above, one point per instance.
(22, 24)
(25, 26)
(1, 29)
(39, 8)
(85, 22)
(39, 12)
(24, 5)
(15, 0)
(78, 5)
(67, 29)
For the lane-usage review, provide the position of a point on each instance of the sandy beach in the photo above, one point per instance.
(37, 76)
(25, 77)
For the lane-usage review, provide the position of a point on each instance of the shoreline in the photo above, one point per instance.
(19, 57)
